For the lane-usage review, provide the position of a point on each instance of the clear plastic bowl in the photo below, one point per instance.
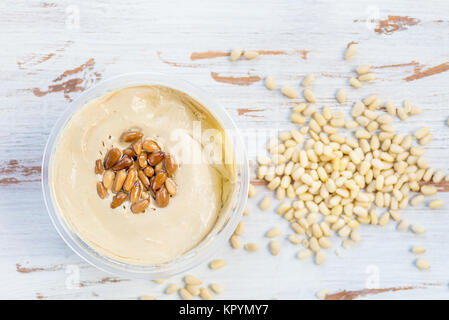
(226, 222)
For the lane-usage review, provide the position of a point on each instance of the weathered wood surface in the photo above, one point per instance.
(52, 51)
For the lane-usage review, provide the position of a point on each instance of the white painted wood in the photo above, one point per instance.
(42, 41)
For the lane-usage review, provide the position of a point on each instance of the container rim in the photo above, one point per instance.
(208, 246)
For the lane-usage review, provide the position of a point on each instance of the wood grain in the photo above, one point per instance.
(53, 51)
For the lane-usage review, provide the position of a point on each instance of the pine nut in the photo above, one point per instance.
(215, 287)
(428, 190)
(367, 77)
(421, 132)
(403, 225)
(194, 290)
(297, 118)
(274, 183)
(355, 82)
(438, 176)
(236, 242)
(217, 264)
(350, 51)
(426, 139)
(289, 92)
(341, 95)
(236, 54)
(274, 232)
(251, 247)
(172, 288)
(308, 80)
(417, 200)
(185, 294)
(418, 229)
(418, 249)
(239, 229)
(192, 280)
(304, 254)
(422, 264)
(362, 69)
(251, 54)
(436, 204)
(309, 95)
(294, 239)
(270, 83)
(266, 203)
(275, 247)
(205, 294)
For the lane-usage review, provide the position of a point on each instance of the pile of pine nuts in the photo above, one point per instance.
(333, 174)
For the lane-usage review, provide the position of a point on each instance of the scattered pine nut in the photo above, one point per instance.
(422, 264)
(418, 249)
(217, 264)
(428, 190)
(245, 211)
(236, 54)
(362, 69)
(147, 298)
(239, 229)
(308, 80)
(185, 294)
(390, 107)
(289, 92)
(426, 139)
(159, 281)
(194, 290)
(416, 110)
(266, 203)
(251, 54)
(215, 287)
(294, 239)
(309, 95)
(192, 280)
(341, 95)
(421, 132)
(236, 242)
(367, 77)
(205, 294)
(403, 225)
(251, 191)
(351, 50)
(418, 229)
(304, 254)
(270, 83)
(274, 232)
(355, 82)
(172, 288)
(436, 204)
(297, 118)
(275, 247)
(417, 200)
(251, 247)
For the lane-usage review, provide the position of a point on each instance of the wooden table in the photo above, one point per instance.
(52, 51)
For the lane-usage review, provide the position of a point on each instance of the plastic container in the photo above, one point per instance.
(227, 221)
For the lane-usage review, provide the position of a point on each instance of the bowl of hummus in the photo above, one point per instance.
(145, 176)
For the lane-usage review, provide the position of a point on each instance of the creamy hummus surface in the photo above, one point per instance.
(160, 234)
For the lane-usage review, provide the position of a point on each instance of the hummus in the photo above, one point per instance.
(160, 234)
